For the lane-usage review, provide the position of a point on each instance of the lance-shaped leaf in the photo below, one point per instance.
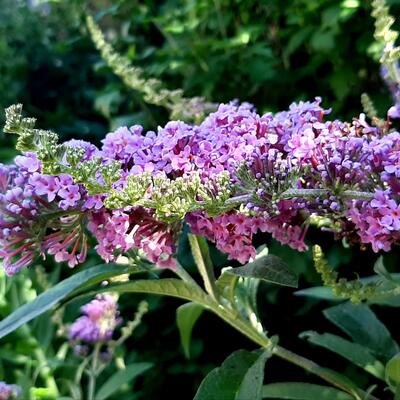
(269, 268)
(52, 296)
(302, 391)
(362, 325)
(186, 317)
(166, 287)
(240, 377)
(354, 352)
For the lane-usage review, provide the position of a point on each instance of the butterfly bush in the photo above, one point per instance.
(235, 174)
(98, 322)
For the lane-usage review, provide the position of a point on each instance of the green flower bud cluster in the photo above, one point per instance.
(187, 109)
(272, 187)
(354, 290)
(58, 158)
(368, 106)
(371, 112)
(320, 221)
(88, 172)
(43, 143)
(173, 199)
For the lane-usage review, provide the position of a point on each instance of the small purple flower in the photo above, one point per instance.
(99, 321)
(94, 202)
(29, 162)
(70, 194)
(45, 185)
(8, 391)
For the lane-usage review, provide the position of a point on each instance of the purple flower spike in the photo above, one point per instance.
(99, 321)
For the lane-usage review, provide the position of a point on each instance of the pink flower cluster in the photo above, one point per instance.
(98, 323)
(233, 233)
(39, 214)
(377, 222)
(117, 231)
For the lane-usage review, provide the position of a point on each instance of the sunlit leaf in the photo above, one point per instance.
(392, 371)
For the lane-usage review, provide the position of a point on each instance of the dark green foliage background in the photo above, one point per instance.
(269, 53)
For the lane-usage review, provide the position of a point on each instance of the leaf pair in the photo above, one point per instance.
(372, 347)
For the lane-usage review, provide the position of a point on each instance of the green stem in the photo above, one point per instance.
(203, 262)
(233, 318)
(304, 193)
(79, 372)
(319, 371)
(250, 332)
(93, 372)
(311, 193)
(387, 294)
(184, 275)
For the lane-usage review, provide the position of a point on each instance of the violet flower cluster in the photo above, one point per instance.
(284, 168)
(98, 323)
(8, 392)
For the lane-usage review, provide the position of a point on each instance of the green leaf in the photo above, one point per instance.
(246, 292)
(42, 393)
(319, 292)
(114, 383)
(302, 391)
(268, 268)
(107, 103)
(186, 317)
(392, 372)
(167, 287)
(323, 41)
(51, 297)
(241, 292)
(354, 352)
(380, 269)
(239, 378)
(297, 40)
(362, 325)
(226, 284)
